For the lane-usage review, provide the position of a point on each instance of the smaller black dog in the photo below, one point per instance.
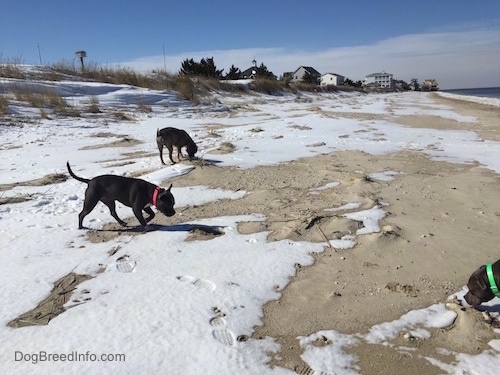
(170, 137)
(131, 192)
(480, 287)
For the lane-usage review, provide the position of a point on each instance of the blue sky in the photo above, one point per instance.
(455, 41)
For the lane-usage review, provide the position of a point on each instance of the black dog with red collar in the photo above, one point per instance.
(131, 192)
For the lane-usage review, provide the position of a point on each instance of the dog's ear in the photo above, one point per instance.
(165, 191)
(479, 276)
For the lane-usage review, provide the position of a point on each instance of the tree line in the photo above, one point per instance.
(206, 68)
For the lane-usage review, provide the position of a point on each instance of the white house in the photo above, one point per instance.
(430, 85)
(382, 79)
(331, 79)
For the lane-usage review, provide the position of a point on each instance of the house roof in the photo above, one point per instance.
(379, 74)
(333, 74)
(308, 69)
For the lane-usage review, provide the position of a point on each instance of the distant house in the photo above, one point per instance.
(430, 85)
(383, 80)
(257, 71)
(399, 84)
(250, 72)
(298, 75)
(331, 79)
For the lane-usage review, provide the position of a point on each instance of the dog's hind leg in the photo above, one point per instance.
(81, 216)
(88, 205)
(112, 209)
(170, 151)
(160, 148)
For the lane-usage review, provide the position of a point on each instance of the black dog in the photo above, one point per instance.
(170, 137)
(132, 192)
(479, 286)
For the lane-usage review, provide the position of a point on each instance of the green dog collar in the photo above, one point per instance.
(491, 279)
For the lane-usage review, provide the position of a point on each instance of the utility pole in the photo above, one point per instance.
(39, 53)
(164, 61)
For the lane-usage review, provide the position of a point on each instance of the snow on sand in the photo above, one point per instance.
(168, 305)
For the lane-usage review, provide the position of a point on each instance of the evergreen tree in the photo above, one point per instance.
(348, 82)
(188, 67)
(205, 68)
(309, 78)
(263, 72)
(234, 73)
(414, 83)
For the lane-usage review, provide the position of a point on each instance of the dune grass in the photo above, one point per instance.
(4, 105)
(187, 88)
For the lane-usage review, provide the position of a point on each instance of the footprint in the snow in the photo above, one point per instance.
(221, 334)
(218, 321)
(306, 370)
(124, 264)
(200, 283)
(224, 336)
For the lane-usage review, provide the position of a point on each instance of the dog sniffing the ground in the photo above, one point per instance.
(131, 192)
(170, 137)
(484, 284)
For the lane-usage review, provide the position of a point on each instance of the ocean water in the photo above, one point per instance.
(484, 92)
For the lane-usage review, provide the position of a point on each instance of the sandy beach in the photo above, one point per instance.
(438, 221)
(442, 223)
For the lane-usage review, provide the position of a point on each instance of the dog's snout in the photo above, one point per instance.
(471, 299)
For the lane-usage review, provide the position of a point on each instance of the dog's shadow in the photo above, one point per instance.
(202, 162)
(489, 309)
(208, 230)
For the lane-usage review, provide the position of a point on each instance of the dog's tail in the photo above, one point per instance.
(86, 180)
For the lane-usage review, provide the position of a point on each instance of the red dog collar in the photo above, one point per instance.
(155, 195)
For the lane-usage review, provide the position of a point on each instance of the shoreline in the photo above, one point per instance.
(491, 101)
(481, 92)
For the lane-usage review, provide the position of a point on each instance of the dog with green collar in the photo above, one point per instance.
(484, 284)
